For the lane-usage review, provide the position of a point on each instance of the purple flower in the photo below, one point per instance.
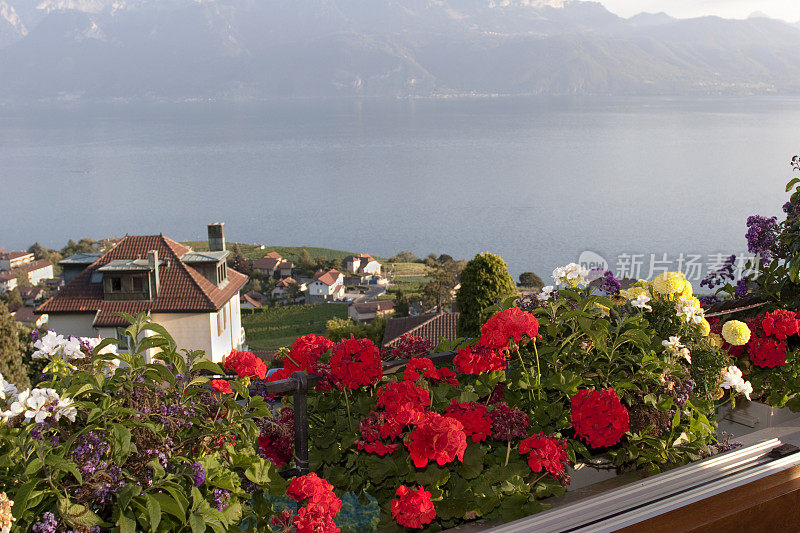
(47, 524)
(198, 474)
(721, 275)
(791, 210)
(221, 498)
(610, 285)
(761, 236)
(741, 288)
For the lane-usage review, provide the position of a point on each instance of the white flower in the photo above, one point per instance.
(745, 388)
(8, 391)
(48, 346)
(684, 352)
(90, 342)
(65, 408)
(546, 294)
(39, 404)
(641, 302)
(673, 344)
(71, 349)
(573, 275)
(732, 379)
(690, 313)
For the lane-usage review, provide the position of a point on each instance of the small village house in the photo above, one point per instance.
(273, 264)
(192, 294)
(26, 315)
(368, 311)
(362, 264)
(253, 300)
(326, 286)
(23, 266)
(282, 288)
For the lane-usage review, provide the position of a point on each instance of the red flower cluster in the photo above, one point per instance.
(276, 442)
(279, 374)
(508, 423)
(766, 352)
(479, 359)
(437, 438)
(405, 403)
(246, 364)
(410, 346)
(781, 323)
(322, 506)
(221, 385)
(413, 508)
(599, 417)
(512, 323)
(355, 362)
(546, 453)
(436, 375)
(370, 429)
(473, 416)
(305, 351)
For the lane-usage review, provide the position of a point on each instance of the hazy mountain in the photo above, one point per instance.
(305, 48)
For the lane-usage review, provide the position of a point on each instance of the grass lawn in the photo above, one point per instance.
(271, 328)
(406, 269)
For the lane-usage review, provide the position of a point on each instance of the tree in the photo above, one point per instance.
(531, 280)
(444, 258)
(401, 304)
(484, 282)
(12, 300)
(85, 246)
(406, 256)
(12, 350)
(443, 278)
(239, 262)
(305, 263)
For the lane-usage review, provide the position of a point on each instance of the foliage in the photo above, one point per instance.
(270, 328)
(12, 300)
(404, 256)
(238, 261)
(531, 280)
(484, 282)
(138, 445)
(85, 245)
(12, 366)
(443, 277)
(337, 329)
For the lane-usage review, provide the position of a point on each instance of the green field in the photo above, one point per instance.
(252, 251)
(406, 269)
(270, 328)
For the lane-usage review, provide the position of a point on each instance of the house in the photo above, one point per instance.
(362, 264)
(326, 286)
(281, 290)
(192, 294)
(26, 315)
(273, 263)
(30, 295)
(12, 260)
(366, 311)
(75, 264)
(432, 327)
(34, 271)
(253, 300)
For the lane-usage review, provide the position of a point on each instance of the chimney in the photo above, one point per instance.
(152, 262)
(216, 237)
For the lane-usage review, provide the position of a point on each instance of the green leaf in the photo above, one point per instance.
(153, 511)
(259, 471)
(197, 523)
(59, 463)
(33, 467)
(792, 183)
(124, 496)
(78, 515)
(169, 505)
(473, 461)
(126, 523)
(122, 442)
(208, 366)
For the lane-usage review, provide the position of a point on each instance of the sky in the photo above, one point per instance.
(788, 10)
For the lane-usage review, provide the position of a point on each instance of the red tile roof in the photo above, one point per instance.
(285, 282)
(429, 327)
(252, 301)
(25, 315)
(182, 289)
(373, 307)
(34, 265)
(13, 255)
(266, 263)
(274, 255)
(329, 277)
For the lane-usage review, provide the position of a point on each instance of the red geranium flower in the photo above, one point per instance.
(479, 359)
(370, 429)
(781, 323)
(437, 438)
(430, 372)
(321, 507)
(276, 442)
(355, 362)
(545, 452)
(599, 417)
(473, 416)
(305, 351)
(410, 346)
(405, 403)
(222, 386)
(766, 352)
(512, 323)
(413, 508)
(246, 364)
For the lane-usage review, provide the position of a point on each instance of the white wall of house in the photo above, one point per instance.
(373, 267)
(317, 288)
(41, 274)
(8, 285)
(78, 324)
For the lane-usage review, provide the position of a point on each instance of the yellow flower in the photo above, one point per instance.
(634, 292)
(705, 328)
(687, 291)
(736, 332)
(715, 340)
(604, 311)
(669, 283)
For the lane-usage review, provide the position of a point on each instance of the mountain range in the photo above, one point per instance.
(252, 49)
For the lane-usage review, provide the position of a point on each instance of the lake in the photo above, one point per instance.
(535, 180)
